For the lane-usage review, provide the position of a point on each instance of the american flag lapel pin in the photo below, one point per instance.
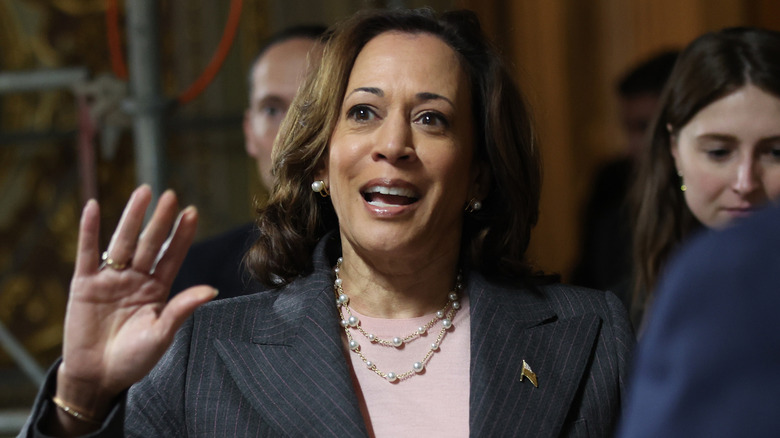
(528, 373)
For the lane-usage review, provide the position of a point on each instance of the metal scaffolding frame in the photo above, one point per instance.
(147, 106)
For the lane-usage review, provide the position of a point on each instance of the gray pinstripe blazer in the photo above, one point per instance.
(271, 364)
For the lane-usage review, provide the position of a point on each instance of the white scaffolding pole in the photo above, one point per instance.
(147, 102)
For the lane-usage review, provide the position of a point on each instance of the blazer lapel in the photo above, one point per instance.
(294, 372)
(509, 326)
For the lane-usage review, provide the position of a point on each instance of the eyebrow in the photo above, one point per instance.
(771, 139)
(726, 138)
(424, 96)
(269, 98)
(717, 137)
(371, 90)
(434, 96)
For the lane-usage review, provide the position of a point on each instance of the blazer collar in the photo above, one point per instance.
(509, 326)
(294, 371)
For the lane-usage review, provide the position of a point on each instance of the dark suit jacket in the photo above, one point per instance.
(709, 362)
(605, 254)
(273, 364)
(218, 262)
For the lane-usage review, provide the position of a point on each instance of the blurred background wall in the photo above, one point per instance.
(57, 148)
(569, 54)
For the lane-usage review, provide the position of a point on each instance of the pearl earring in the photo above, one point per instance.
(320, 187)
(473, 205)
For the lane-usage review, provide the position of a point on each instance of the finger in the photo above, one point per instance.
(172, 253)
(182, 306)
(124, 239)
(89, 232)
(156, 231)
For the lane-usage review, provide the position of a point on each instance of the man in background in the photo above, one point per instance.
(274, 78)
(605, 252)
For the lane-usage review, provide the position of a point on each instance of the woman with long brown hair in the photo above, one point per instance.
(714, 153)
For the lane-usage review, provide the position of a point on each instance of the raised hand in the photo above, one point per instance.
(118, 322)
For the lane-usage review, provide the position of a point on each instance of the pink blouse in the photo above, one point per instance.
(432, 403)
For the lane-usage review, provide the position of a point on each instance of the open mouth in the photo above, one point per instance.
(382, 196)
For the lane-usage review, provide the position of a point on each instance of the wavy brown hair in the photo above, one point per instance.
(711, 67)
(494, 239)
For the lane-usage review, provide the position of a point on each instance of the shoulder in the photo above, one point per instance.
(235, 317)
(569, 301)
(282, 306)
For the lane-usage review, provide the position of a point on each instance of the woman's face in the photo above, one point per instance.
(400, 157)
(729, 156)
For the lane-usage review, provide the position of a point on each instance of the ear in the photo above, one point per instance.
(249, 142)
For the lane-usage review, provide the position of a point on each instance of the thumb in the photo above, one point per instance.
(182, 306)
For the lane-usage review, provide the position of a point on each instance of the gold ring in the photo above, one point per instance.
(111, 263)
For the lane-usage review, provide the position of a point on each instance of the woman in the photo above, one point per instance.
(407, 183)
(714, 154)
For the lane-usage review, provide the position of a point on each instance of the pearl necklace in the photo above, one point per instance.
(350, 321)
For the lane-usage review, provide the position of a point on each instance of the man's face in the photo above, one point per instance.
(275, 79)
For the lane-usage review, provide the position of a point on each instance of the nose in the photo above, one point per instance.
(393, 142)
(747, 179)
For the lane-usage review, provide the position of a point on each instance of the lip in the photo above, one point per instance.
(741, 211)
(394, 186)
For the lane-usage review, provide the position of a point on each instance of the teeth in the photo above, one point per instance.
(395, 191)
(376, 203)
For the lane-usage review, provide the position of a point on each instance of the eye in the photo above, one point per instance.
(432, 118)
(718, 154)
(361, 113)
(272, 111)
(774, 152)
(717, 150)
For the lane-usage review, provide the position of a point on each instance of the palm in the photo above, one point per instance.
(118, 322)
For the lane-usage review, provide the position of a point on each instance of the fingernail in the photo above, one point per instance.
(209, 294)
(135, 193)
(141, 187)
(90, 206)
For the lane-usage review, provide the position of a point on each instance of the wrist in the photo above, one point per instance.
(74, 411)
(86, 397)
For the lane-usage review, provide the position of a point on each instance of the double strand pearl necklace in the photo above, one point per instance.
(350, 322)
